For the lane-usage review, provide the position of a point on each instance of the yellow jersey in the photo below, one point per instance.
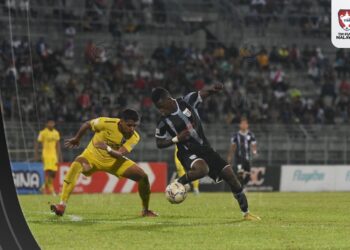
(106, 129)
(49, 139)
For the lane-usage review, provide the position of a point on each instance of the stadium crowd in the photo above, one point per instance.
(257, 81)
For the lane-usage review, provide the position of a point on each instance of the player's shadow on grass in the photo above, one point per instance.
(159, 226)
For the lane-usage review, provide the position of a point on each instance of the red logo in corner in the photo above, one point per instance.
(344, 19)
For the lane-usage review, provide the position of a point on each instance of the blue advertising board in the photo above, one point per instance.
(27, 177)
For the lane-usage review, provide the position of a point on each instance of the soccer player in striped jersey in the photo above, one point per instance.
(243, 147)
(180, 124)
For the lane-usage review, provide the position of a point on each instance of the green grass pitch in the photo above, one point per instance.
(209, 221)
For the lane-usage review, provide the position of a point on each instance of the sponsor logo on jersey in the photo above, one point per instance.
(187, 112)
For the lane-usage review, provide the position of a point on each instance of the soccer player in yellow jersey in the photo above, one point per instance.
(49, 138)
(181, 171)
(114, 138)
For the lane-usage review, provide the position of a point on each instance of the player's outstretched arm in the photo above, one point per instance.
(75, 141)
(181, 137)
(217, 87)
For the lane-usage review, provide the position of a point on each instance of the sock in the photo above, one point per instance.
(50, 186)
(144, 192)
(195, 184)
(184, 179)
(70, 179)
(242, 201)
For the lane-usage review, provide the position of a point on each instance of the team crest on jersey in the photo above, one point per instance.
(187, 112)
(344, 19)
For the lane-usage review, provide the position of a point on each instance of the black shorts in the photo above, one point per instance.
(242, 165)
(188, 156)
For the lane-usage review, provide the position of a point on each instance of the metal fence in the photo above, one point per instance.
(277, 144)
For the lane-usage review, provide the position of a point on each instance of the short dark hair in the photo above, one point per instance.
(243, 119)
(158, 94)
(129, 114)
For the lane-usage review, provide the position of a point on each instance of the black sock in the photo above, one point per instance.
(242, 201)
(184, 179)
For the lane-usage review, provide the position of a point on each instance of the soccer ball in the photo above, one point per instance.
(175, 193)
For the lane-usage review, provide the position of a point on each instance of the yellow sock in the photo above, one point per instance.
(70, 179)
(195, 184)
(50, 185)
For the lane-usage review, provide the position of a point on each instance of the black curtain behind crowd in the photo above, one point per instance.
(14, 231)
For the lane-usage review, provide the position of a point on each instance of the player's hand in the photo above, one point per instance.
(72, 143)
(184, 135)
(100, 145)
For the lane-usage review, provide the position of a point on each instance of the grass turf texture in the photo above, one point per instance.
(209, 221)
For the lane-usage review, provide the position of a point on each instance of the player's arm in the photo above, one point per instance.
(37, 145)
(59, 152)
(122, 151)
(75, 141)
(231, 153)
(165, 142)
(211, 90)
(254, 146)
(36, 150)
(232, 149)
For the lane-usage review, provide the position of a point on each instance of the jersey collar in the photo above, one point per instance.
(242, 133)
(178, 108)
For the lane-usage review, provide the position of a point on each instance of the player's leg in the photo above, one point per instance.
(50, 177)
(198, 169)
(79, 165)
(240, 172)
(135, 173)
(220, 168)
(231, 179)
(180, 169)
(195, 186)
(50, 168)
(246, 167)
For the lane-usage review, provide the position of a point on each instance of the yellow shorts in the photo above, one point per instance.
(179, 168)
(50, 163)
(115, 167)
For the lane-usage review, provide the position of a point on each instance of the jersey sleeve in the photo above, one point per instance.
(58, 137)
(193, 98)
(252, 139)
(41, 136)
(161, 131)
(132, 142)
(98, 124)
(234, 139)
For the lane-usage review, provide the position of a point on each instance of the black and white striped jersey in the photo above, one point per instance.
(243, 142)
(186, 116)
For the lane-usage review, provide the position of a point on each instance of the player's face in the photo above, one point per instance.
(244, 125)
(165, 106)
(50, 125)
(128, 126)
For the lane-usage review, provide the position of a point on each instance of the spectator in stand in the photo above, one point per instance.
(295, 57)
(283, 54)
(263, 59)
(314, 72)
(328, 93)
(340, 63)
(344, 88)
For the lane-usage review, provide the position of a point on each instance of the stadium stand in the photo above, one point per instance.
(101, 57)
